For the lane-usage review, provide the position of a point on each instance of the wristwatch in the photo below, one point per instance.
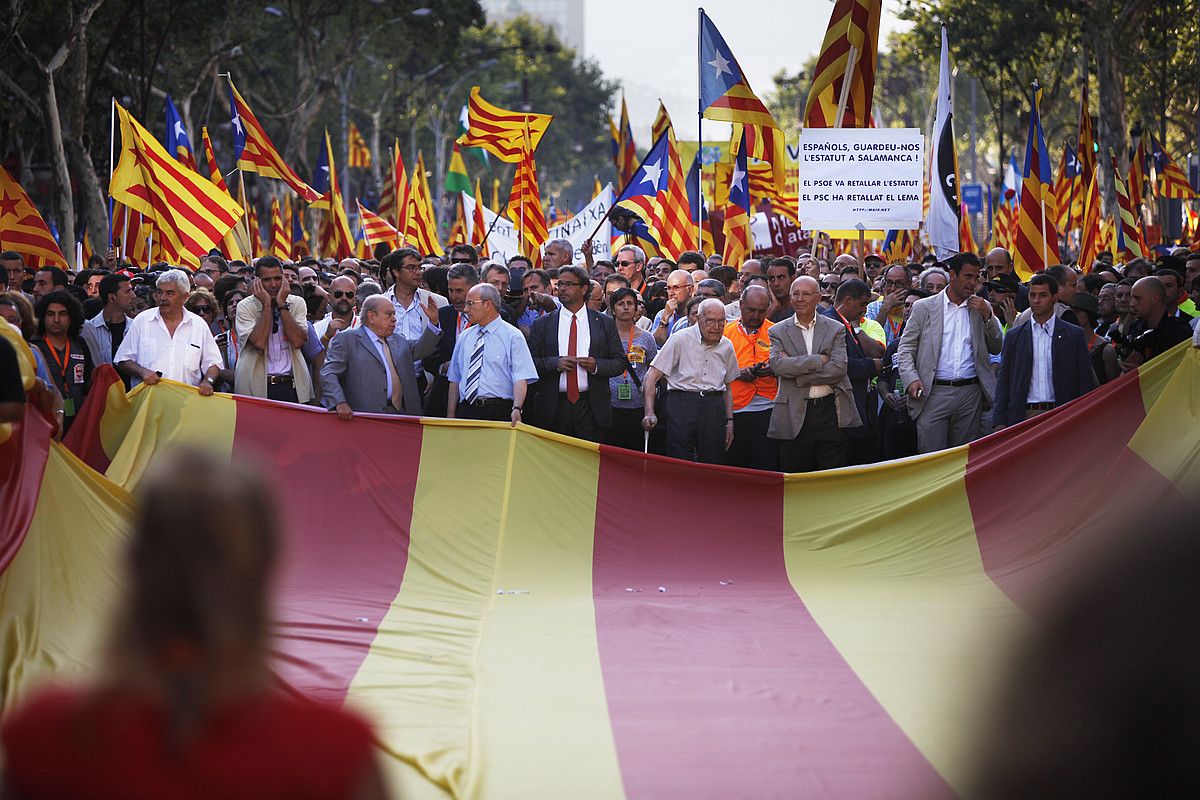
(516, 408)
(207, 380)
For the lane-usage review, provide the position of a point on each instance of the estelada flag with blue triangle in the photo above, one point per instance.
(724, 92)
(737, 221)
(177, 141)
(661, 202)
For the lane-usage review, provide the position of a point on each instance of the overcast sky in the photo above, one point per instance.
(650, 47)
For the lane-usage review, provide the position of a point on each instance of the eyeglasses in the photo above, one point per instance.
(202, 310)
(563, 283)
(627, 263)
(412, 267)
(461, 261)
(470, 303)
(348, 295)
(896, 284)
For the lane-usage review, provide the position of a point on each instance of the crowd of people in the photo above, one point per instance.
(790, 364)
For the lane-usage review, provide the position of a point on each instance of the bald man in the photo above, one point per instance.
(1154, 331)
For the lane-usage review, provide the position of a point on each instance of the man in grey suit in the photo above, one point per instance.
(943, 359)
(815, 400)
(370, 368)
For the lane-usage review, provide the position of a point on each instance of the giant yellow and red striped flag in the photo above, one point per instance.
(525, 209)
(254, 150)
(1089, 209)
(478, 226)
(502, 133)
(190, 213)
(852, 24)
(375, 229)
(280, 246)
(1036, 243)
(789, 640)
(22, 228)
(1173, 182)
(359, 155)
(1128, 242)
(420, 226)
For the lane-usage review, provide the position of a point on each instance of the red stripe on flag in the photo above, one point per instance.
(338, 580)
(1028, 496)
(23, 459)
(725, 690)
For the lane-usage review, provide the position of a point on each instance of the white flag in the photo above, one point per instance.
(942, 222)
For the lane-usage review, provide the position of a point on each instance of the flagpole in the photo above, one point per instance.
(843, 99)
(699, 130)
(112, 148)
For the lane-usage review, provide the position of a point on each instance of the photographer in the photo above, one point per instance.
(1155, 331)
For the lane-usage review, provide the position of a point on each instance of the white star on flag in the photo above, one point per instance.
(237, 124)
(738, 176)
(652, 172)
(721, 66)
(179, 132)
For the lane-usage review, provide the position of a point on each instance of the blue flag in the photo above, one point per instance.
(239, 132)
(177, 140)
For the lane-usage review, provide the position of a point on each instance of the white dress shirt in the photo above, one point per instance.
(321, 326)
(381, 348)
(957, 360)
(583, 342)
(815, 390)
(184, 356)
(1041, 381)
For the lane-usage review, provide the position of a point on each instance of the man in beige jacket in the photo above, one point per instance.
(272, 326)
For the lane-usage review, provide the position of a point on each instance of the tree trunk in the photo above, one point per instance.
(92, 192)
(64, 202)
(1111, 121)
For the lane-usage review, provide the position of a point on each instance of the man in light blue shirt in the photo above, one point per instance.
(491, 367)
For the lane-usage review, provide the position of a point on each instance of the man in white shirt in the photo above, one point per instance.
(404, 267)
(343, 316)
(170, 341)
(943, 359)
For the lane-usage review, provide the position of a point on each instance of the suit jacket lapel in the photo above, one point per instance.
(793, 330)
(365, 337)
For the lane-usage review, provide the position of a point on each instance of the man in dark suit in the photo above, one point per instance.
(370, 368)
(1044, 362)
(573, 396)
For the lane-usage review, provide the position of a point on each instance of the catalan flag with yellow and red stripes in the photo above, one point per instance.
(1173, 182)
(525, 208)
(22, 228)
(375, 229)
(280, 246)
(627, 159)
(501, 132)
(189, 213)
(478, 226)
(657, 194)
(360, 154)
(393, 197)
(420, 226)
(852, 24)
(1036, 243)
(254, 150)
(776, 637)
(1089, 208)
(1129, 238)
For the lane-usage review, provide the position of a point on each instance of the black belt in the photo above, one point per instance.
(818, 400)
(1039, 406)
(959, 382)
(488, 401)
(701, 393)
(275, 380)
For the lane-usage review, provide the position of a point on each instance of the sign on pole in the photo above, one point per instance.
(972, 196)
(860, 176)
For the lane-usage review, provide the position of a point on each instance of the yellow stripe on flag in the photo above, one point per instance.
(1168, 386)
(897, 570)
(174, 417)
(59, 589)
(483, 694)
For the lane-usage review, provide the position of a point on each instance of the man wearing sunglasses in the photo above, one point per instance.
(342, 306)
(631, 262)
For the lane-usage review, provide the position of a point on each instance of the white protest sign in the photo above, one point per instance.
(503, 244)
(867, 176)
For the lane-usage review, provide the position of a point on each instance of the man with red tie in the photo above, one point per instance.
(576, 350)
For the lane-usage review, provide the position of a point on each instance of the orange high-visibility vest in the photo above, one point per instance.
(751, 350)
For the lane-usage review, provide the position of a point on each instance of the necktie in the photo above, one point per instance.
(573, 375)
(395, 376)
(474, 370)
